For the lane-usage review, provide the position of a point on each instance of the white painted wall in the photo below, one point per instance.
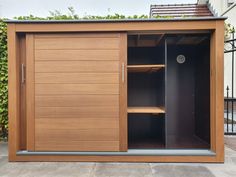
(231, 14)
(221, 8)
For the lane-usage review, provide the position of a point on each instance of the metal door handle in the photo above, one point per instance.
(123, 72)
(22, 73)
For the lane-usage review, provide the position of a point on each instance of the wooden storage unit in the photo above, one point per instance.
(136, 90)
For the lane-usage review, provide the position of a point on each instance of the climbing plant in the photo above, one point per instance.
(229, 29)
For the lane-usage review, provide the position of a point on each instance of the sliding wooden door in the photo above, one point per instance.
(76, 92)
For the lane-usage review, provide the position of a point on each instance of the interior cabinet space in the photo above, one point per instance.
(168, 91)
(146, 92)
(146, 131)
(188, 91)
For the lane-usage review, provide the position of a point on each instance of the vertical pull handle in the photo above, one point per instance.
(123, 72)
(22, 73)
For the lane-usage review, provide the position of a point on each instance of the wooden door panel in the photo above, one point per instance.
(77, 43)
(77, 93)
(76, 100)
(85, 111)
(77, 124)
(79, 78)
(77, 146)
(80, 54)
(77, 66)
(76, 89)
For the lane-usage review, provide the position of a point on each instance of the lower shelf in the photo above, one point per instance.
(183, 143)
(153, 110)
(146, 144)
(190, 142)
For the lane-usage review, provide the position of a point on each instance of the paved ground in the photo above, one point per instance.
(230, 141)
(78, 169)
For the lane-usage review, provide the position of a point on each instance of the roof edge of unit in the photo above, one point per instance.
(119, 20)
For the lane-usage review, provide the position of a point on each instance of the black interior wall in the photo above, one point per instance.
(180, 94)
(202, 93)
(146, 131)
(183, 89)
(146, 89)
(187, 95)
(146, 55)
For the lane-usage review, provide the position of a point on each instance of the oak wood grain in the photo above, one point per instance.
(76, 100)
(77, 66)
(86, 55)
(30, 92)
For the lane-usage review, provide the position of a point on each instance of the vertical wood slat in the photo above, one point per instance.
(13, 96)
(219, 101)
(217, 93)
(22, 125)
(123, 94)
(212, 92)
(30, 92)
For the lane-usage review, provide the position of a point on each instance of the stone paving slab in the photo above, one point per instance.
(46, 169)
(3, 160)
(172, 170)
(122, 170)
(222, 170)
(3, 149)
(230, 141)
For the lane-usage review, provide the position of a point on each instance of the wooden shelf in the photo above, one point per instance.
(144, 68)
(152, 110)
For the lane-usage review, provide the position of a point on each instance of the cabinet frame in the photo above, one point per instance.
(215, 26)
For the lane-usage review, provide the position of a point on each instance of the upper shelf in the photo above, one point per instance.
(145, 68)
(152, 110)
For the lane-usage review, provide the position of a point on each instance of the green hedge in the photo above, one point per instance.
(3, 83)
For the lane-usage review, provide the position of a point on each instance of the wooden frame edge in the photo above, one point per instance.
(13, 95)
(219, 57)
(113, 26)
(216, 90)
(123, 93)
(169, 159)
(217, 141)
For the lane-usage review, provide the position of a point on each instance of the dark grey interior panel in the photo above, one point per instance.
(183, 89)
(187, 95)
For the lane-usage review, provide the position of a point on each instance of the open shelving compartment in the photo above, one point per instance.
(168, 101)
(146, 92)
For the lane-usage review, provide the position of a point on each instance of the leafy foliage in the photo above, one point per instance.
(57, 15)
(229, 29)
(3, 83)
